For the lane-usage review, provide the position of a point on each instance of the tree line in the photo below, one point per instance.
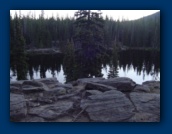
(55, 31)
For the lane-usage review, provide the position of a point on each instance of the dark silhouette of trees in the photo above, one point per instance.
(90, 29)
(17, 49)
(89, 34)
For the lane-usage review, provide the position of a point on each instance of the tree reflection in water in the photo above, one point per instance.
(142, 62)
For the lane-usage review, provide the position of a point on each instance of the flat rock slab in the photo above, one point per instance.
(32, 83)
(15, 89)
(110, 106)
(123, 84)
(16, 83)
(32, 89)
(92, 92)
(142, 88)
(146, 102)
(34, 86)
(144, 117)
(55, 92)
(52, 111)
(154, 86)
(86, 80)
(99, 87)
(33, 119)
(49, 82)
(17, 107)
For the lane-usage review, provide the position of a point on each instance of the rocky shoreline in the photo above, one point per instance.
(85, 100)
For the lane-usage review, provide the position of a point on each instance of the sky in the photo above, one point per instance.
(115, 14)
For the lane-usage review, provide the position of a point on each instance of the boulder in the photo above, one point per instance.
(16, 83)
(153, 85)
(31, 89)
(55, 92)
(146, 102)
(110, 106)
(64, 119)
(99, 87)
(33, 104)
(15, 89)
(33, 119)
(121, 83)
(142, 88)
(67, 86)
(144, 117)
(92, 92)
(47, 80)
(33, 86)
(32, 83)
(18, 108)
(45, 100)
(52, 111)
(86, 80)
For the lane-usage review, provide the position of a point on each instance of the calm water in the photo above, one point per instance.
(137, 65)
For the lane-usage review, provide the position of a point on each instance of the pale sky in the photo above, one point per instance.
(115, 14)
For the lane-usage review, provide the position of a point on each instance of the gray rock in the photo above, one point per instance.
(55, 92)
(76, 91)
(144, 117)
(34, 86)
(33, 104)
(85, 80)
(32, 83)
(121, 83)
(92, 92)
(16, 83)
(97, 86)
(15, 89)
(31, 89)
(18, 108)
(52, 111)
(67, 86)
(32, 119)
(34, 96)
(45, 100)
(58, 85)
(110, 106)
(61, 90)
(64, 119)
(141, 88)
(49, 82)
(146, 102)
(153, 85)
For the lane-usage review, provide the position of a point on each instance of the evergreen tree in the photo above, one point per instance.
(69, 63)
(18, 49)
(89, 34)
(113, 71)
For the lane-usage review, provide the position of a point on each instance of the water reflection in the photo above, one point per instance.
(138, 65)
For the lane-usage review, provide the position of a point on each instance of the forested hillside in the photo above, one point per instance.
(57, 32)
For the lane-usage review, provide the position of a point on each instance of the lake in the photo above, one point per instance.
(139, 65)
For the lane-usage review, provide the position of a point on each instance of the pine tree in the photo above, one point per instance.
(18, 49)
(89, 34)
(69, 63)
